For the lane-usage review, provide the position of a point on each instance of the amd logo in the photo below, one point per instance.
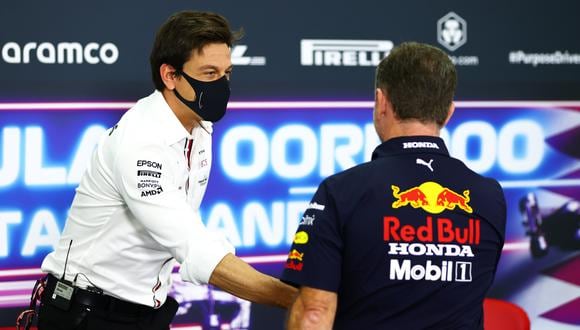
(60, 53)
(343, 52)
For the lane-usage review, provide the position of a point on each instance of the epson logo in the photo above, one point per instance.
(343, 52)
(60, 53)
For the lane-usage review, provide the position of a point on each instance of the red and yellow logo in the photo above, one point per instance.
(301, 237)
(432, 198)
(295, 255)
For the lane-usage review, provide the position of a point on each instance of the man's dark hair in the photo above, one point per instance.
(419, 81)
(183, 33)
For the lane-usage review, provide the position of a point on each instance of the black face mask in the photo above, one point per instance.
(211, 97)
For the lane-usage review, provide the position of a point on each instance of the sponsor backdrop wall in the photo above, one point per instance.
(301, 109)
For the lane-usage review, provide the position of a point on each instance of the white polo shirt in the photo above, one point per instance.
(137, 209)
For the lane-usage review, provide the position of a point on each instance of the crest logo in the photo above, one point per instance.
(452, 31)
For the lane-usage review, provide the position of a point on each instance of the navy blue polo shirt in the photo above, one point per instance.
(409, 240)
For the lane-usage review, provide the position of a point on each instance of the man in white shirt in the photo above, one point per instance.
(136, 210)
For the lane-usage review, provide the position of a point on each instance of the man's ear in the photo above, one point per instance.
(449, 113)
(381, 101)
(168, 75)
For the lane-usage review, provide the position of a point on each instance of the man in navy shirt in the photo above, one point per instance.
(411, 239)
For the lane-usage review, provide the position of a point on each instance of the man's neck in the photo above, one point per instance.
(411, 128)
(186, 116)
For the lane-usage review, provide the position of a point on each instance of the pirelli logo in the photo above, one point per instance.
(319, 52)
(149, 173)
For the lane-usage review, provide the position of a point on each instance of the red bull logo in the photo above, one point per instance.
(450, 199)
(295, 255)
(413, 196)
(294, 266)
(431, 197)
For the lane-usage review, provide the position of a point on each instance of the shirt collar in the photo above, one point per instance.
(411, 144)
(170, 127)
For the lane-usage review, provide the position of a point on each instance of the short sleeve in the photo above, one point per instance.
(315, 257)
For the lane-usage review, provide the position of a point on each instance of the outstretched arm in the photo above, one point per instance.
(235, 276)
(313, 309)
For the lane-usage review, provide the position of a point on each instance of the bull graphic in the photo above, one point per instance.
(449, 199)
(413, 196)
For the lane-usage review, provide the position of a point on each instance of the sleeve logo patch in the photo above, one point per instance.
(301, 237)
(307, 220)
(315, 206)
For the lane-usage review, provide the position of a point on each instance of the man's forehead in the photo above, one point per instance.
(217, 55)
(211, 49)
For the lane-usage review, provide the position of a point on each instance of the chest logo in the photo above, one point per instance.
(424, 163)
(431, 197)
